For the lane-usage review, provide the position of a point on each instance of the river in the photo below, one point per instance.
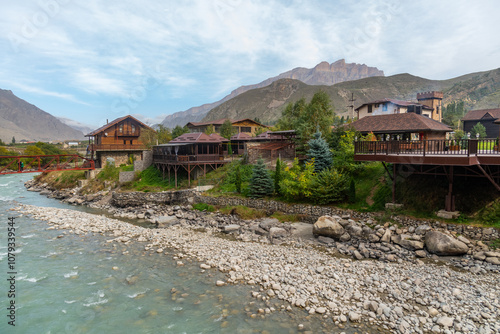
(65, 283)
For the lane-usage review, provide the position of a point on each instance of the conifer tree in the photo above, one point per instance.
(320, 152)
(261, 183)
(352, 191)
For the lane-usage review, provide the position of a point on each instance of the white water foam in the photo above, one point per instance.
(71, 274)
(137, 294)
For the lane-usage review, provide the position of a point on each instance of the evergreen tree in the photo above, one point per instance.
(277, 177)
(478, 128)
(261, 183)
(237, 180)
(229, 149)
(227, 129)
(13, 140)
(320, 152)
(178, 131)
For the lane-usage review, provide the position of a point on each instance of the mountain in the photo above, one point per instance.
(84, 128)
(478, 90)
(322, 74)
(23, 120)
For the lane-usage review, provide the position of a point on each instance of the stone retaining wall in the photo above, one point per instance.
(308, 213)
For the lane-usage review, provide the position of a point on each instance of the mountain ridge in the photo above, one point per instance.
(23, 120)
(477, 90)
(322, 74)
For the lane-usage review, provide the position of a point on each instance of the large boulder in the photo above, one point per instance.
(328, 227)
(443, 244)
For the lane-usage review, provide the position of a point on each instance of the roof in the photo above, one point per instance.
(396, 102)
(219, 137)
(116, 121)
(241, 136)
(396, 123)
(195, 137)
(475, 115)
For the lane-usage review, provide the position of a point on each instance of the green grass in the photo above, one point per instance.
(204, 207)
(495, 244)
(283, 217)
(243, 212)
(227, 175)
(150, 180)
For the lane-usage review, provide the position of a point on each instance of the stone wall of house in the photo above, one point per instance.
(121, 158)
(147, 160)
(254, 154)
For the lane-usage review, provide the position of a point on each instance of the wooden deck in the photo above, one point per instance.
(465, 152)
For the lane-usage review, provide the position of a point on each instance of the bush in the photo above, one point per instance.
(328, 186)
(382, 196)
(296, 182)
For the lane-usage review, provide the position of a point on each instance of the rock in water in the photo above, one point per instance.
(328, 227)
(443, 244)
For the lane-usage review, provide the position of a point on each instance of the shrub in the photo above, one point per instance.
(296, 183)
(328, 186)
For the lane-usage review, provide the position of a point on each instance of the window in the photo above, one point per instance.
(133, 128)
(121, 128)
(131, 142)
(384, 107)
(246, 129)
(370, 108)
(124, 142)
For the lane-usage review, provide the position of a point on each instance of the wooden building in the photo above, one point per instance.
(238, 142)
(246, 125)
(408, 126)
(193, 152)
(118, 140)
(486, 117)
(429, 105)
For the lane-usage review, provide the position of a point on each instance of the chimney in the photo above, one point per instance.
(106, 121)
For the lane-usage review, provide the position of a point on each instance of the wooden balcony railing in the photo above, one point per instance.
(428, 147)
(116, 147)
(187, 158)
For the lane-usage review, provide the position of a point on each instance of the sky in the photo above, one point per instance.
(92, 60)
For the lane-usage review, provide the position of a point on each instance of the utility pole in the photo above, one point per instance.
(351, 100)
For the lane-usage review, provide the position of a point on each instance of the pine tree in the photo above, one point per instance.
(478, 128)
(277, 177)
(261, 183)
(320, 152)
(13, 140)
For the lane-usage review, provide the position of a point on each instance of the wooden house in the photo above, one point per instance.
(429, 105)
(487, 117)
(118, 140)
(193, 152)
(246, 125)
(238, 142)
(408, 126)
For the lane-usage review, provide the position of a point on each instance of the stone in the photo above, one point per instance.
(345, 237)
(420, 253)
(373, 237)
(231, 228)
(220, 283)
(448, 214)
(357, 255)
(422, 229)
(328, 227)
(353, 316)
(205, 266)
(393, 206)
(165, 221)
(343, 318)
(493, 260)
(277, 232)
(321, 310)
(267, 223)
(463, 239)
(479, 256)
(492, 254)
(445, 321)
(354, 230)
(442, 244)
(387, 236)
(405, 241)
(325, 240)
(433, 312)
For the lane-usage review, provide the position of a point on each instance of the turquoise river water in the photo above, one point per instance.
(83, 284)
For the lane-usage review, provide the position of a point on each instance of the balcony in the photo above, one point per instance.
(136, 133)
(117, 147)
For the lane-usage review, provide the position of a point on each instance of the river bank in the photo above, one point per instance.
(403, 296)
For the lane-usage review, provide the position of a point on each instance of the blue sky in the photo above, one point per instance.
(92, 60)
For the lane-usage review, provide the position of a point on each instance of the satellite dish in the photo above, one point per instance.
(105, 134)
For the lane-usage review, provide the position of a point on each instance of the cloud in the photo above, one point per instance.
(40, 91)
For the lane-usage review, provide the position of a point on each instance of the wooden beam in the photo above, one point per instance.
(489, 178)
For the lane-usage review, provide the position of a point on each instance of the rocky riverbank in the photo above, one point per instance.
(289, 268)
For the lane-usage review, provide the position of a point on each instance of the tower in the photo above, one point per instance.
(433, 100)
